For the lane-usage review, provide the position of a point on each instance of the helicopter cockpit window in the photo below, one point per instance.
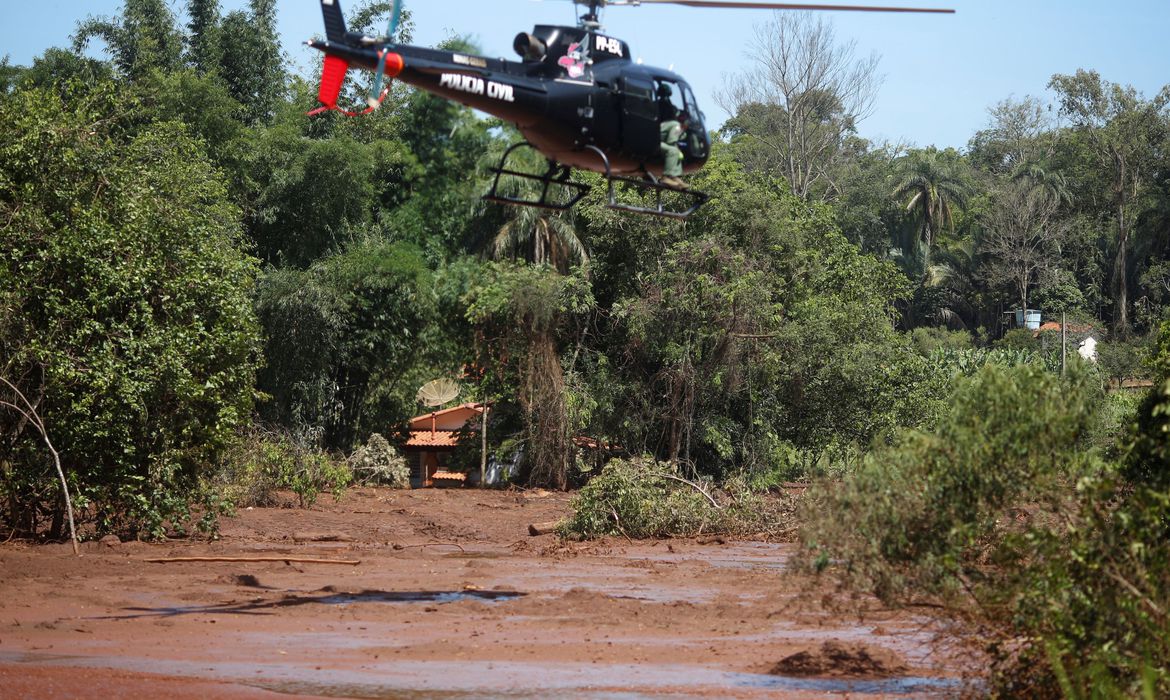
(693, 106)
(670, 100)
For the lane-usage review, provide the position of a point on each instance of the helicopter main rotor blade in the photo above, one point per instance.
(779, 6)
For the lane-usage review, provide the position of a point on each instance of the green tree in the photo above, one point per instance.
(9, 75)
(59, 68)
(520, 313)
(1122, 130)
(1021, 134)
(251, 62)
(932, 185)
(204, 42)
(126, 306)
(314, 194)
(337, 334)
(540, 237)
(143, 38)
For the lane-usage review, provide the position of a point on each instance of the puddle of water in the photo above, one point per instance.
(507, 680)
(909, 685)
(417, 597)
(294, 599)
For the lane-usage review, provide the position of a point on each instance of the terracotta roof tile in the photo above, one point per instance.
(1073, 327)
(451, 476)
(425, 438)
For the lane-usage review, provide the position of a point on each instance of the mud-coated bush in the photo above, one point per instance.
(926, 515)
(1092, 616)
(266, 461)
(1148, 461)
(377, 462)
(640, 498)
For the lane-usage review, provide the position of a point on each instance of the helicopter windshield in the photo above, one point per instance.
(697, 115)
(670, 99)
(674, 97)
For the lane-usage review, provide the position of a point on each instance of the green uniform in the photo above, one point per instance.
(670, 132)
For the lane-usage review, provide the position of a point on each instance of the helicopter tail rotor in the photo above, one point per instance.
(339, 49)
(376, 93)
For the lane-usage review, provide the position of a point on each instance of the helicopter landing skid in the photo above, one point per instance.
(649, 184)
(554, 178)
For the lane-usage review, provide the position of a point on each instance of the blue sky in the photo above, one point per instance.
(941, 72)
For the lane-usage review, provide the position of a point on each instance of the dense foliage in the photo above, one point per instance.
(126, 307)
(208, 296)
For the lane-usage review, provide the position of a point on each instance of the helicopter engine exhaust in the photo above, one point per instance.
(529, 47)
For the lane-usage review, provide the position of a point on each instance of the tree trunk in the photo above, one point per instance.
(547, 417)
(1121, 273)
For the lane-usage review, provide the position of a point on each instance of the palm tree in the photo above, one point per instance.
(540, 236)
(543, 237)
(932, 187)
(947, 285)
(1049, 186)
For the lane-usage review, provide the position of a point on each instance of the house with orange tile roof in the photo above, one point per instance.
(432, 440)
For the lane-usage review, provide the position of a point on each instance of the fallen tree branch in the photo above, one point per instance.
(287, 560)
(545, 528)
(617, 521)
(695, 487)
(430, 544)
(33, 417)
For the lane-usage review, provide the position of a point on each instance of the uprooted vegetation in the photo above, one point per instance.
(640, 498)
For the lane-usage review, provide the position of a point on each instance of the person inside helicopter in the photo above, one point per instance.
(671, 131)
(672, 124)
(667, 110)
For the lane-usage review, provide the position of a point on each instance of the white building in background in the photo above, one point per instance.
(1088, 349)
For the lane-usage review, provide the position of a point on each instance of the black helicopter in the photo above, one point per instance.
(575, 96)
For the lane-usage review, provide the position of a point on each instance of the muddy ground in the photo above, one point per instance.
(503, 615)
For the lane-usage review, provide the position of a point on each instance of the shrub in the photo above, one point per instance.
(1121, 360)
(377, 462)
(642, 499)
(266, 461)
(1018, 339)
(927, 339)
(926, 515)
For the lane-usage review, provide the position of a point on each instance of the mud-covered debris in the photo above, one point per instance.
(839, 660)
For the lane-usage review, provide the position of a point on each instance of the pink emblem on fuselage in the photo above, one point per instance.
(573, 61)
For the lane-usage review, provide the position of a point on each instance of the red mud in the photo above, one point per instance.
(509, 616)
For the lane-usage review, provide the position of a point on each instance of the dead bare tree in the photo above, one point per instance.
(23, 406)
(801, 101)
(1024, 232)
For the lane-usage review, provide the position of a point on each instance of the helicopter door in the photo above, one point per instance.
(640, 135)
